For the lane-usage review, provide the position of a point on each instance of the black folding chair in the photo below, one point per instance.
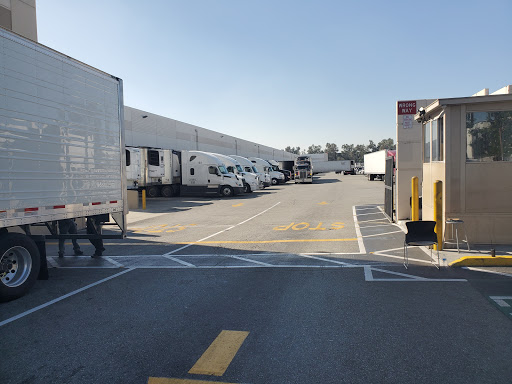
(420, 233)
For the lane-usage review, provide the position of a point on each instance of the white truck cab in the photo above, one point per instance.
(205, 174)
(251, 181)
(275, 177)
(248, 166)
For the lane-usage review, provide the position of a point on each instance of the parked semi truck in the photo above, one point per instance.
(161, 172)
(375, 163)
(248, 166)
(264, 166)
(61, 154)
(250, 179)
(303, 170)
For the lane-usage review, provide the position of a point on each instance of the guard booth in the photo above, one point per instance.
(467, 144)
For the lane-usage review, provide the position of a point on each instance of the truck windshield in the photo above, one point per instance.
(239, 168)
(303, 167)
(223, 170)
(275, 168)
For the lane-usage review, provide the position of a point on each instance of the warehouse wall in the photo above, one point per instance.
(163, 132)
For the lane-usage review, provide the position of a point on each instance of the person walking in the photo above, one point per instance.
(68, 226)
(94, 228)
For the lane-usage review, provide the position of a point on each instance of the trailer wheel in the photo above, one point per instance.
(19, 265)
(275, 182)
(226, 191)
(167, 191)
(153, 191)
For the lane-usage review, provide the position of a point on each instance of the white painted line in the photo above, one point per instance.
(52, 262)
(364, 209)
(366, 214)
(500, 300)
(250, 261)
(488, 271)
(384, 213)
(375, 226)
(2, 323)
(368, 275)
(178, 261)
(400, 274)
(224, 230)
(119, 265)
(382, 234)
(401, 257)
(367, 221)
(362, 248)
(322, 259)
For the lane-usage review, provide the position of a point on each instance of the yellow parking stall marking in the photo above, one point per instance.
(323, 203)
(237, 205)
(265, 241)
(163, 380)
(216, 359)
(304, 225)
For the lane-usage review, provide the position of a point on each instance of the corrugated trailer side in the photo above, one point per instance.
(61, 148)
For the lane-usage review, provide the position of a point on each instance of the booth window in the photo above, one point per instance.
(489, 136)
(128, 162)
(426, 142)
(438, 139)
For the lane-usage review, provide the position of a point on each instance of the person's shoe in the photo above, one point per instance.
(78, 252)
(97, 254)
(61, 255)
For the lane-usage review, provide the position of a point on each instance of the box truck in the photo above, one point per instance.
(61, 154)
(375, 163)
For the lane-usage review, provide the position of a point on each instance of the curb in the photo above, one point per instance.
(482, 261)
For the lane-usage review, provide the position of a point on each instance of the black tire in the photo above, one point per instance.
(167, 191)
(247, 188)
(153, 191)
(226, 191)
(275, 182)
(18, 277)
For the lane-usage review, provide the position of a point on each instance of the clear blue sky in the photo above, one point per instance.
(286, 72)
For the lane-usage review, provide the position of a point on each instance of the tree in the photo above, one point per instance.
(295, 150)
(331, 149)
(314, 149)
(386, 144)
(347, 151)
(371, 147)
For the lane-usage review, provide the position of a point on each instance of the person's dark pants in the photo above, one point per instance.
(68, 226)
(93, 228)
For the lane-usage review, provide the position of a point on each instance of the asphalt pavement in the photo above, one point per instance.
(292, 284)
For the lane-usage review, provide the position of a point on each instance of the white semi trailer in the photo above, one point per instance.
(375, 163)
(61, 154)
(339, 166)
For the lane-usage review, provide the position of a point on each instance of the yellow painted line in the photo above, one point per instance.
(323, 203)
(266, 241)
(482, 261)
(237, 205)
(163, 380)
(216, 359)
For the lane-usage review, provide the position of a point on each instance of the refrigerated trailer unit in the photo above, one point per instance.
(61, 157)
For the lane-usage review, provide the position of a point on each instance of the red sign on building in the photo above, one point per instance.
(407, 107)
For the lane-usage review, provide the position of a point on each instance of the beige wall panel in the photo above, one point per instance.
(24, 19)
(5, 3)
(484, 107)
(488, 229)
(489, 187)
(454, 159)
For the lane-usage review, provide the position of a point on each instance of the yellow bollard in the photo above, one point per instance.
(438, 213)
(143, 199)
(415, 200)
